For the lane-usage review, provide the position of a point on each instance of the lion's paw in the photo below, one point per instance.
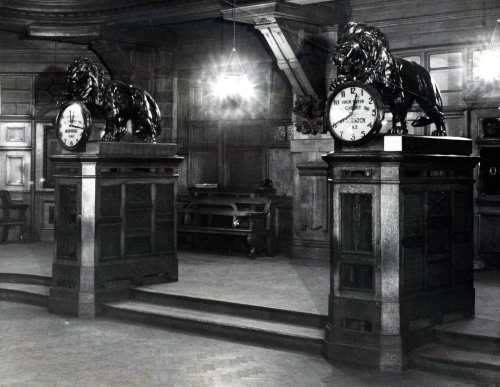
(108, 137)
(438, 132)
(398, 130)
(150, 139)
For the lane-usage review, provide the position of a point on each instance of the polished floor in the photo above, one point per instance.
(277, 282)
(40, 349)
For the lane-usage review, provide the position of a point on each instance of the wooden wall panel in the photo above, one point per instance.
(489, 233)
(204, 133)
(204, 166)
(15, 134)
(15, 176)
(244, 167)
(44, 217)
(313, 215)
(15, 95)
(281, 169)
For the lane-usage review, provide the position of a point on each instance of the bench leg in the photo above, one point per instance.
(189, 240)
(251, 244)
(269, 245)
(5, 234)
(22, 231)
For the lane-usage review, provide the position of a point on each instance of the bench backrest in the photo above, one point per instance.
(226, 206)
(233, 207)
(6, 205)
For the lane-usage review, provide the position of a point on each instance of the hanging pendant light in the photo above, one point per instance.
(233, 81)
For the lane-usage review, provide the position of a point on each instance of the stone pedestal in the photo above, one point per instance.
(115, 223)
(401, 212)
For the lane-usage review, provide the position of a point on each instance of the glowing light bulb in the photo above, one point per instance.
(488, 67)
(232, 84)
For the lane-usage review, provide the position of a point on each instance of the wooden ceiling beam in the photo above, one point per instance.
(283, 26)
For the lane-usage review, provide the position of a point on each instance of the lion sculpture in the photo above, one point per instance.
(115, 101)
(363, 55)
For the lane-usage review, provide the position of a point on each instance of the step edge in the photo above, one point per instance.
(212, 322)
(24, 292)
(231, 303)
(37, 299)
(474, 336)
(27, 279)
(462, 363)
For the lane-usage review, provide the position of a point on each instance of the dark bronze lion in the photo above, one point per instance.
(363, 55)
(114, 101)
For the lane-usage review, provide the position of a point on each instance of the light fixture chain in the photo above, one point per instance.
(239, 62)
(492, 36)
(234, 27)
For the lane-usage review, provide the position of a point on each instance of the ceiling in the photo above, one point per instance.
(76, 20)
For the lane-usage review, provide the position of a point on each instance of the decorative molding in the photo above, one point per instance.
(267, 12)
(92, 12)
(58, 31)
(435, 18)
(15, 135)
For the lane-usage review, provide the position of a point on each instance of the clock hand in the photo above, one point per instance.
(78, 127)
(350, 114)
(355, 103)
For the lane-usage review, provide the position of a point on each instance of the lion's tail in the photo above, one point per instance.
(422, 121)
(155, 111)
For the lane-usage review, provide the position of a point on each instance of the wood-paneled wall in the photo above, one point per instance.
(234, 142)
(31, 82)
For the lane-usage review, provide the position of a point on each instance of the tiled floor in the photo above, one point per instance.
(29, 258)
(40, 349)
(277, 282)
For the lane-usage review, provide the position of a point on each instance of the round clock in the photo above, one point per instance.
(354, 113)
(73, 125)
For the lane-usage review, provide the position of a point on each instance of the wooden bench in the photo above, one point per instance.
(243, 216)
(11, 214)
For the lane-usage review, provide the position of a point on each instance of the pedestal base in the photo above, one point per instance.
(305, 249)
(401, 246)
(116, 224)
(354, 334)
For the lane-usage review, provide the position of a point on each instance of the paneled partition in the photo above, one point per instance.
(15, 173)
(240, 154)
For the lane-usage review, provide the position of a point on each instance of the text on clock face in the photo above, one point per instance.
(352, 113)
(72, 125)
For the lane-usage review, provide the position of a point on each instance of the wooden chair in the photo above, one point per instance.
(11, 214)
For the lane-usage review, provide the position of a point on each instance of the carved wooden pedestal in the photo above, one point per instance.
(401, 210)
(115, 223)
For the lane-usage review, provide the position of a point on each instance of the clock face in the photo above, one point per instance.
(73, 125)
(354, 113)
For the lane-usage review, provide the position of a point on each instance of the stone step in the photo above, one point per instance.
(27, 294)
(267, 333)
(475, 334)
(480, 366)
(31, 279)
(231, 308)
